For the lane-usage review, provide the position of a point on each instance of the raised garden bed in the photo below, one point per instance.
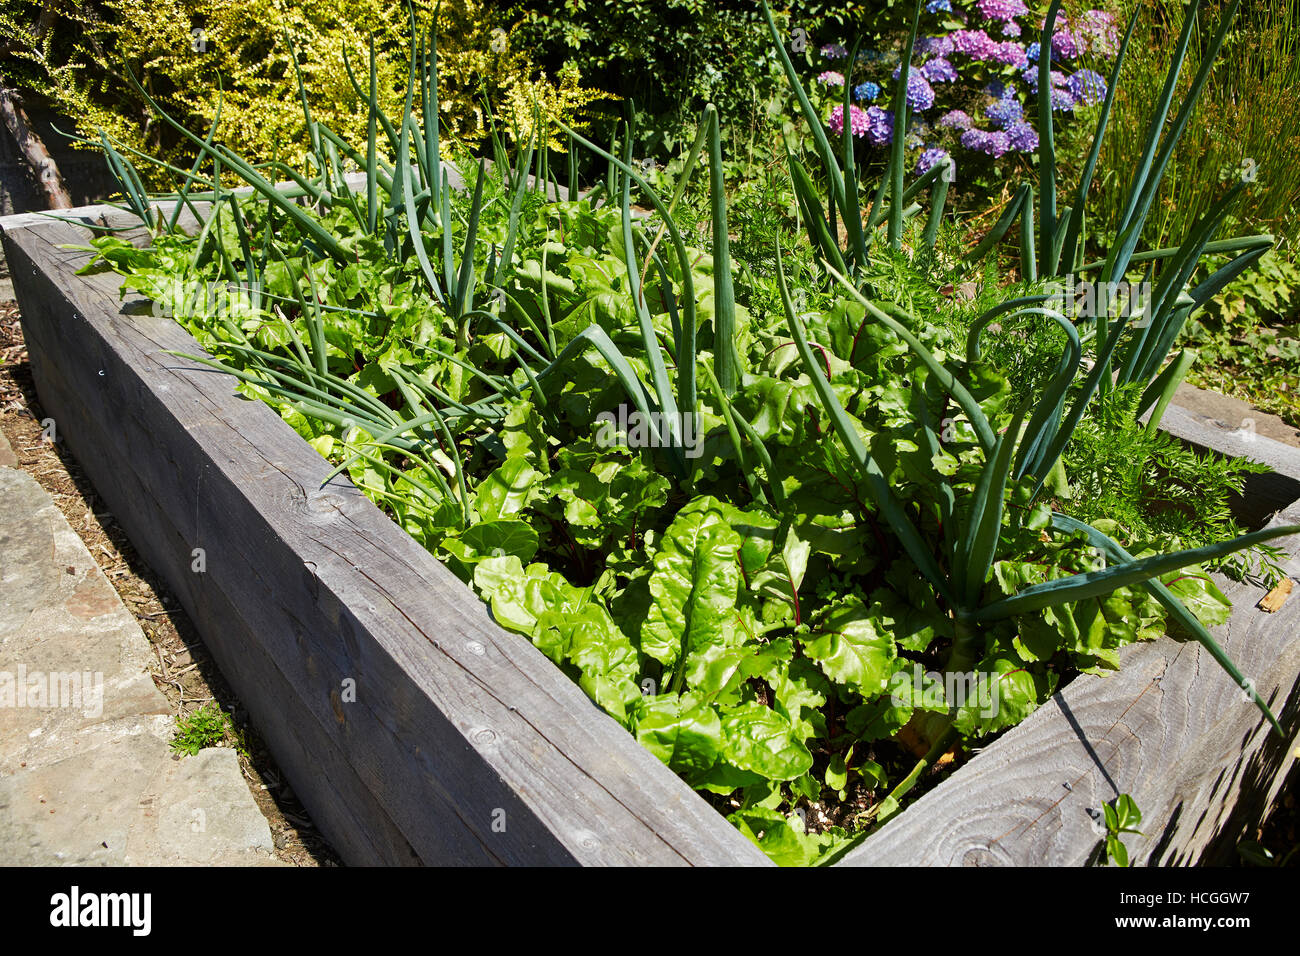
(464, 744)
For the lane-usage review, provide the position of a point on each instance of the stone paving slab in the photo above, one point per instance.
(86, 773)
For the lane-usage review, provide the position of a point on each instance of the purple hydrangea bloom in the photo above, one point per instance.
(1002, 9)
(1022, 136)
(1087, 86)
(866, 91)
(1063, 98)
(831, 78)
(1065, 44)
(834, 51)
(880, 130)
(1102, 33)
(858, 121)
(1011, 29)
(956, 119)
(1005, 111)
(938, 70)
(1011, 53)
(920, 94)
(934, 46)
(995, 144)
(929, 159)
(976, 44)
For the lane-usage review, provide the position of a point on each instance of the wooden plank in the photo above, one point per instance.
(454, 718)
(1170, 728)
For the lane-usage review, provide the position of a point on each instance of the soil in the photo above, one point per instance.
(184, 671)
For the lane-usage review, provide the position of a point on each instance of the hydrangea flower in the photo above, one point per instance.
(938, 70)
(929, 159)
(1011, 29)
(880, 130)
(1031, 52)
(1010, 53)
(834, 51)
(994, 144)
(976, 44)
(1087, 86)
(866, 91)
(934, 46)
(956, 119)
(1065, 44)
(1062, 96)
(1002, 9)
(1005, 111)
(939, 6)
(920, 94)
(858, 121)
(831, 78)
(1102, 33)
(1022, 136)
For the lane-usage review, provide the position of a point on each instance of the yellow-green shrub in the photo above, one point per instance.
(193, 54)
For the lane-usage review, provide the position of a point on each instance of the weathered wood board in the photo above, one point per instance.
(464, 743)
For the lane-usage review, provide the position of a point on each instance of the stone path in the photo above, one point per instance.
(86, 773)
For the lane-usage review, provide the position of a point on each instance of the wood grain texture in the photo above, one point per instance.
(1170, 728)
(457, 725)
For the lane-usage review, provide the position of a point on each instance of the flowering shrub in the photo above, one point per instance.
(973, 85)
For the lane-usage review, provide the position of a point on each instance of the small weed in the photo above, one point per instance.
(205, 727)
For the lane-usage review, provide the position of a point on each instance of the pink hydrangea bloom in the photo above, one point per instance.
(858, 121)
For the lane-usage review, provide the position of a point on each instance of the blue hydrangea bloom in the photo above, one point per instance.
(866, 91)
(1031, 51)
(937, 6)
(1005, 111)
(1087, 86)
(920, 94)
(1022, 136)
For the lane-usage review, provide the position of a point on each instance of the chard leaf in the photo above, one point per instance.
(694, 584)
(852, 647)
(761, 740)
(683, 731)
(507, 490)
(1200, 595)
